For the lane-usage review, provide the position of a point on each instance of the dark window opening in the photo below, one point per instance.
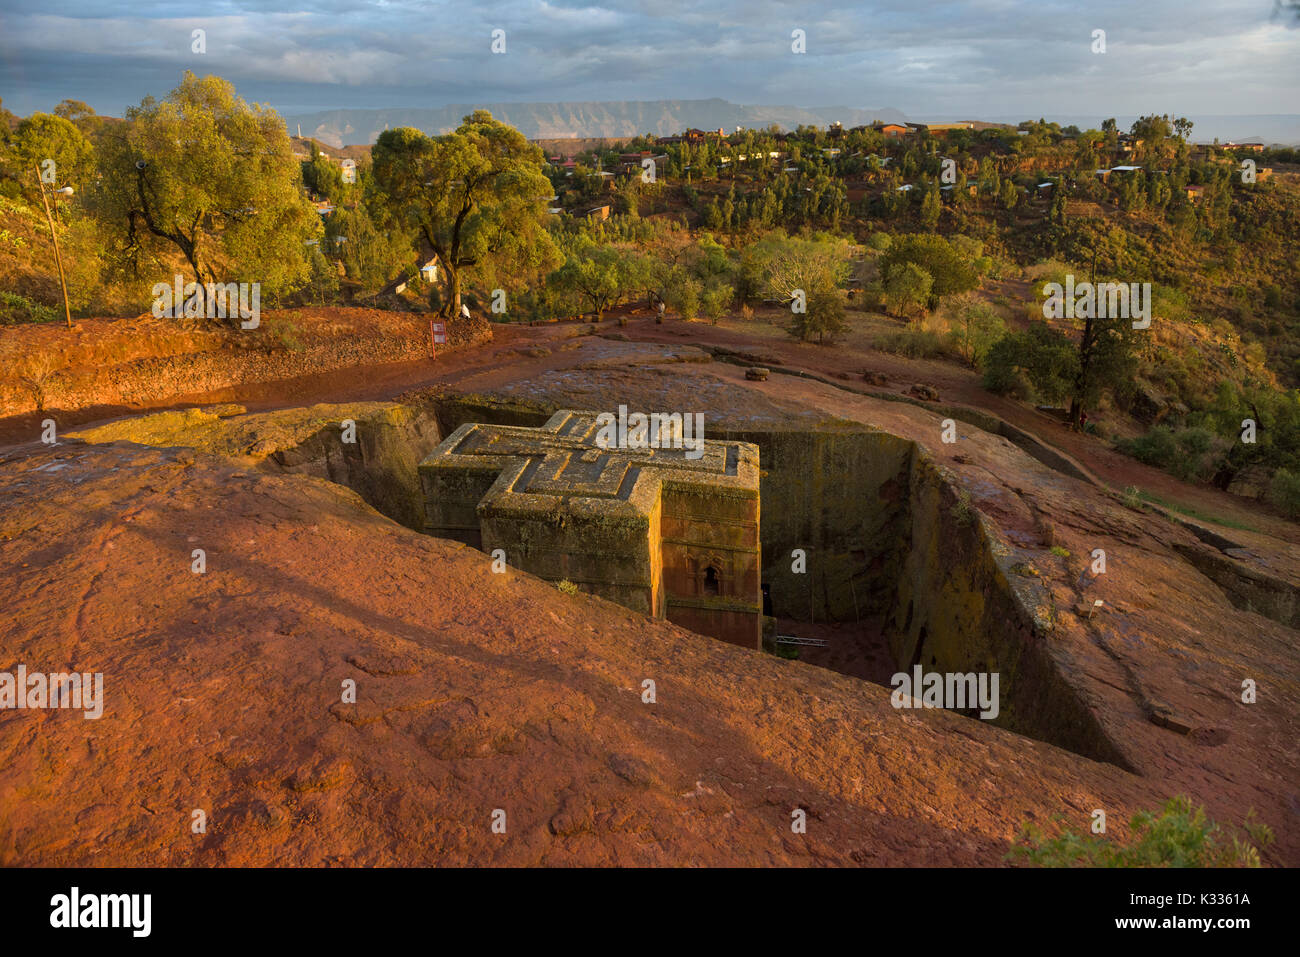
(710, 581)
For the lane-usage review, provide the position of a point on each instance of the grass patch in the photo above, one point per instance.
(1192, 512)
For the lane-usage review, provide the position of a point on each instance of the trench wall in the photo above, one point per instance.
(887, 531)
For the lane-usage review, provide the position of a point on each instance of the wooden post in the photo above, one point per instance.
(58, 258)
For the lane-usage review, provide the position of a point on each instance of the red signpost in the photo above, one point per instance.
(437, 336)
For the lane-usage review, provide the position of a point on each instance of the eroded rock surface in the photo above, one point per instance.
(475, 691)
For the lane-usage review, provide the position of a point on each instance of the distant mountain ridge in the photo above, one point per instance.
(582, 120)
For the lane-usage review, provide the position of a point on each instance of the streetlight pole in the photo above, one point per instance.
(58, 258)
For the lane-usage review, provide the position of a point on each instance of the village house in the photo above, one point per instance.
(892, 131)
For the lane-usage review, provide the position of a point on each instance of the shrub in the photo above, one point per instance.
(913, 343)
(907, 288)
(1045, 357)
(1158, 447)
(687, 298)
(1179, 835)
(1284, 493)
(15, 309)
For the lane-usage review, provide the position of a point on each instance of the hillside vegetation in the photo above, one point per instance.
(947, 242)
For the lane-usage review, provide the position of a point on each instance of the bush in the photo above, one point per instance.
(715, 299)
(1180, 835)
(1284, 493)
(1158, 447)
(913, 343)
(1043, 355)
(951, 271)
(686, 298)
(823, 318)
(15, 309)
(1189, 454)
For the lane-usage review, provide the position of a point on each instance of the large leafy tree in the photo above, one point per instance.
(207, 175)
(472, 195)
(370, 255)
(951, 269)
(601, 276)
(80, 114)
(807, 275)
(42, 137)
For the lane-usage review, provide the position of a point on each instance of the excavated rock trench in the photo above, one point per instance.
(899, 569)
(896, 561)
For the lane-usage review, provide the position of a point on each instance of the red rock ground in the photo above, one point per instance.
(479, 691)
(475, 691)
(1167, 638)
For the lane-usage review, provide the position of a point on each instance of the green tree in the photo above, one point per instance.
(1010, 195)
(322, 177)
(371, 256)
(907, 288)
(685, 297)
(803, 273)
(1057, 214)
(80, 115)
(823, 317)
(43, 136)
(952, 270)
(323, 280)
(1043, 355)
(717, 296)
(975, 330)
(600, 276)
(204, 173)
(930, 207)
(476, 193)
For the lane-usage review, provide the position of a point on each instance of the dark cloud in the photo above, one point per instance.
(979, 57)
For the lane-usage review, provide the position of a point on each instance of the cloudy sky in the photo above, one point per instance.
(961, 58)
